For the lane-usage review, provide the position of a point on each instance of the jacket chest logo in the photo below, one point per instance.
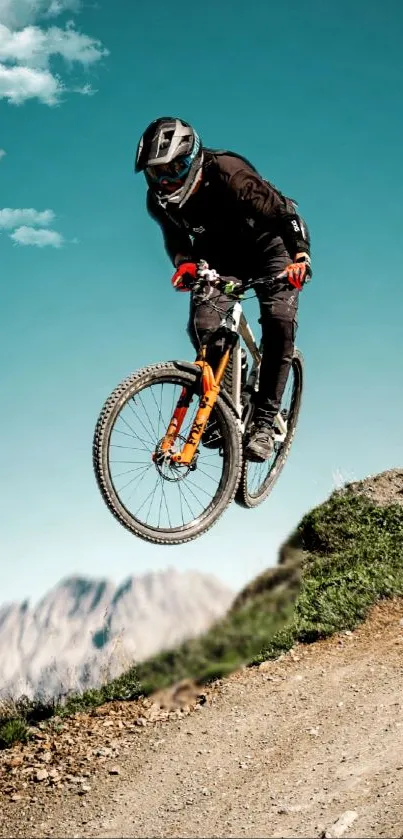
(196, 230)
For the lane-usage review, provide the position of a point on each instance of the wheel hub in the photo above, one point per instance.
(171, 470)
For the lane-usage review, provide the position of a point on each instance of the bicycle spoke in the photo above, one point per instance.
(137, 469)
(132, 448)
(118, 431)
(159, 411)
(141, 478)
(180, 502)
(130, 461)
(189, 488)
(210, 465)
(205, 473)
(131, 481)
(186, 502)
(160, 507)
(148, 416)
(143, 503)
(133, 434)
(193, 483)
(166, 505)
(151, 502)
(158, 492)
(142, 424)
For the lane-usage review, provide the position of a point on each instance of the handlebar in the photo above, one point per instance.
(207, 276)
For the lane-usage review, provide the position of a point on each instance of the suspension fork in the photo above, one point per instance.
(177, 419)
(210, 389)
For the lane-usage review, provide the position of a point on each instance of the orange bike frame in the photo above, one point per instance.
(210, 389)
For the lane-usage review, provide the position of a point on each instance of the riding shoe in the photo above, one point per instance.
(260, 445)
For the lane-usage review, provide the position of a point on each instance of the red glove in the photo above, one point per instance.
(184, 276)
(298, 272)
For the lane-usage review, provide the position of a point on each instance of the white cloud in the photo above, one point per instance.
(39, 237)
(20, 83)
(18, 13)
(27, 50)
(28, 216)
(56, 7)
(34, 46)
(2, 153)
(30, 227)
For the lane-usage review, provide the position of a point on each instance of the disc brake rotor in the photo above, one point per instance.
(169, 469)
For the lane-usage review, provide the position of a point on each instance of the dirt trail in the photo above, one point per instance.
(310, 745)
(279, 751)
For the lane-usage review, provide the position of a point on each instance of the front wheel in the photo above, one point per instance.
(258, 479)
(163, 502)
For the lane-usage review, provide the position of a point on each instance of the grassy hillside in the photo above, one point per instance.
(343, 556)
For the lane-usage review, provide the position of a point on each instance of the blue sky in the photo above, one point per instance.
(312, 93)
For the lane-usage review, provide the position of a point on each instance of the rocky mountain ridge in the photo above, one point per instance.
(85, 631)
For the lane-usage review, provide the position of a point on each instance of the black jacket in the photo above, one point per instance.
(238, 222)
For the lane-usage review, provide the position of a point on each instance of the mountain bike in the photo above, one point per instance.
(154, 465)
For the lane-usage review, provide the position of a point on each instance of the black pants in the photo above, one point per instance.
(278, 301)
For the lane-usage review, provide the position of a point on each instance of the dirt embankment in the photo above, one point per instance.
(310, 745)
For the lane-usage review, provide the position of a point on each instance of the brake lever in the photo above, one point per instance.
(208, 274)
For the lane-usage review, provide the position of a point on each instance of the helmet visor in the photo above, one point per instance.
(170, 174)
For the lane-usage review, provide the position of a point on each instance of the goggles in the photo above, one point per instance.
(170, 173)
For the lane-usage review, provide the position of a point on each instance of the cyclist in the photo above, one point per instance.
(213, 205)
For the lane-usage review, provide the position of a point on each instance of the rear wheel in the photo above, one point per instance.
(160, 501)
(257, 479)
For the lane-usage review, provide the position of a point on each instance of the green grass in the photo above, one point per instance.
(344, 556)
(12, 731)
(17, 716)
(353, 556)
